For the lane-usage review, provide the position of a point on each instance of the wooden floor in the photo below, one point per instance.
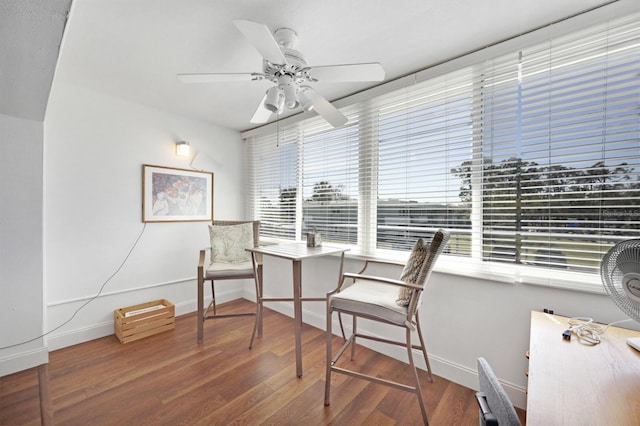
(169, 379)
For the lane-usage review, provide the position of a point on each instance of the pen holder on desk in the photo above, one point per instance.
(314, 239)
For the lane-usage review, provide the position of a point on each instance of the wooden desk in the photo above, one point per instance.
(295, 252)
(571, 383)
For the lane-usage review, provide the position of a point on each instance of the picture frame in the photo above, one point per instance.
(171, 194)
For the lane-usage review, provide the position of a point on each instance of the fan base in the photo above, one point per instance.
(634, 342)
(286, 37)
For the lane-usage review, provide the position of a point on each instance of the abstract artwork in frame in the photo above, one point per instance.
(176, 195)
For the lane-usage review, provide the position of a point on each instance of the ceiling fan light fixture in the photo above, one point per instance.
(280, 103)
(290, 98)
(304, 100)
(273, 101)
(289, 89)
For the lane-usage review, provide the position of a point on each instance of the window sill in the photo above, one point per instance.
(521, 274)
(494, 271)
(501, 272)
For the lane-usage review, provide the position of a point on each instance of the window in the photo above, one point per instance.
(274, 165)
(530, 159)
(423, 135)
(561, 161)
(330, 184)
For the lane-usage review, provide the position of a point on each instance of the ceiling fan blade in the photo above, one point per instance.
(324, 108)
(348, 72)
(217, 77)
(262, 114)
(260, 36)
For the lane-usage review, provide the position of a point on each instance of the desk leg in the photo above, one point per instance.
(257, 270)
(297, 312)
(46, 412)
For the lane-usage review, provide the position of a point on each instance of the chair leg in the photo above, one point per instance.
(424, 348)
(418, 388)
(344, 336)
(327, 381)
(201, 309)
(353, 333)
(213, 298)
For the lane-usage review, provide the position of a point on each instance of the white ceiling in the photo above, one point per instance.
(133, 49)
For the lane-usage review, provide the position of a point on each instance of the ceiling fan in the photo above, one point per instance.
(287, 68)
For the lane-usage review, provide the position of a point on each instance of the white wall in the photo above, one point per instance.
(21, 245)
(95, 146)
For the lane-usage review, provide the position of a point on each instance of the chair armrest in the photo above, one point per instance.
(384, 280)
(202, 258)
(485, 412)
(379, 262)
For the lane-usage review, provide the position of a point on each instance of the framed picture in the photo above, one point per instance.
(176, 195)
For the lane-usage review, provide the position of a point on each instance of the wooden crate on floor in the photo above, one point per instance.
(143, 320)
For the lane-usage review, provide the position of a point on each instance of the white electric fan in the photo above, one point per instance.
(620, 272)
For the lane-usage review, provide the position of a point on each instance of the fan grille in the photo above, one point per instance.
(622, 259)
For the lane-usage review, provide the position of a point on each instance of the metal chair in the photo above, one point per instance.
(389, 301)
(227, 259)
(495, 407)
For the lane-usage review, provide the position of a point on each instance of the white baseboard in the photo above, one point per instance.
(23, 360)
(63, 339)
(80, 335)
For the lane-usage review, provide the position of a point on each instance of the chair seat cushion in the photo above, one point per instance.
(229, 270)
(371, 299)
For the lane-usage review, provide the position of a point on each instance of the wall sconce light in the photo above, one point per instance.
(182, 149)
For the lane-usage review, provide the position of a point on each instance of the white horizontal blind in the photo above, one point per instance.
(272, 184)
(531, 160)
(330, 182)
(424, 133)
(561, 151)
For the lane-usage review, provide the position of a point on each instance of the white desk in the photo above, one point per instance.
(296, 252)
(571, 383)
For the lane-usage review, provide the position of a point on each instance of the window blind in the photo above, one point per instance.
(531, 160)
(561, 151)
(272, 169)
(329, 184)
(424, 132)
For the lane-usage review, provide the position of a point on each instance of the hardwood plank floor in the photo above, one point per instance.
(168, 379)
